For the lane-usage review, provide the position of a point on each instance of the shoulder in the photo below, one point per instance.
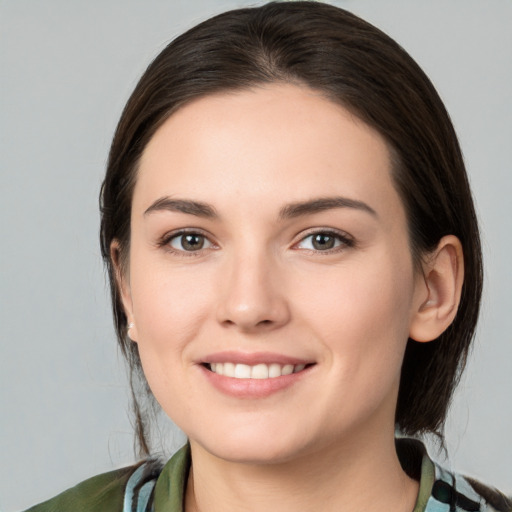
(442, 490)
(464, 494)
(106, 492)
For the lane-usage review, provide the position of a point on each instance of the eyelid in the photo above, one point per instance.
(164, 241)
(346, 240)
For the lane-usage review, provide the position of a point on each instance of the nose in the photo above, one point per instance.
(253, 298)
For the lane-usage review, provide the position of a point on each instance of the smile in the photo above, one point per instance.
(258, 371)
(253, 375)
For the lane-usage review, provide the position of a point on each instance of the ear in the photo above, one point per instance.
(438, 294)
(123, 287)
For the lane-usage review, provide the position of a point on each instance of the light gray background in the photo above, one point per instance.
(67, 68)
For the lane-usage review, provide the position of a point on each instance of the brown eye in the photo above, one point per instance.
(324, 241)
(189, 242)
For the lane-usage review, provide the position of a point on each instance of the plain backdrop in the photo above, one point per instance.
(67, 68)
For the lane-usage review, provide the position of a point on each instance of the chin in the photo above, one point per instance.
(256, 455)
(261, 447)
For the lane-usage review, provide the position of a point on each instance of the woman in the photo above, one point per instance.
(295, 268)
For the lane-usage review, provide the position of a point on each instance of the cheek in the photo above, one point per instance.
(362, 314)
(169, 305)
(170, 309)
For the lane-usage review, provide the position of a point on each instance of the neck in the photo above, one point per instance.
(347, 477)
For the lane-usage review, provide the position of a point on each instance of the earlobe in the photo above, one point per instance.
(438, 297)
(123, 288)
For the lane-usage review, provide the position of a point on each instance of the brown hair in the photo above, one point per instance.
(358, 66)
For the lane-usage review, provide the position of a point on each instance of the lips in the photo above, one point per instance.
(255, 375)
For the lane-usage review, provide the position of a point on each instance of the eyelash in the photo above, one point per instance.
(345, 242)
(166, 240)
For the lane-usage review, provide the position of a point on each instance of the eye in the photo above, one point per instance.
(324, 241)
(189, 242)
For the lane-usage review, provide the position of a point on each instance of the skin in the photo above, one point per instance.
(259, 285)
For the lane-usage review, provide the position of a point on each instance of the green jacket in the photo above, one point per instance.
(147, 487)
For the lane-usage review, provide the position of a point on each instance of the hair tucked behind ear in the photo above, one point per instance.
(356, 65)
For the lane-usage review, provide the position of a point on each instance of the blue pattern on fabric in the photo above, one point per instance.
(453, 493)
(137, 494)
(450, 492)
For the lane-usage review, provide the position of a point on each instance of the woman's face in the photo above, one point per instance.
(267, 238)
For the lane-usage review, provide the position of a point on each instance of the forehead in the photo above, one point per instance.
(279, 142)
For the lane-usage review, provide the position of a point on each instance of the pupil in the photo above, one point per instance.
(323, 242)
(192, 242)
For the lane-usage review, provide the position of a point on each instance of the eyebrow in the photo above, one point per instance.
(290, 211)
(196, 208)
(299, 209)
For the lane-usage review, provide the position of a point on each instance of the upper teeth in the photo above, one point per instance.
(258, 371)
